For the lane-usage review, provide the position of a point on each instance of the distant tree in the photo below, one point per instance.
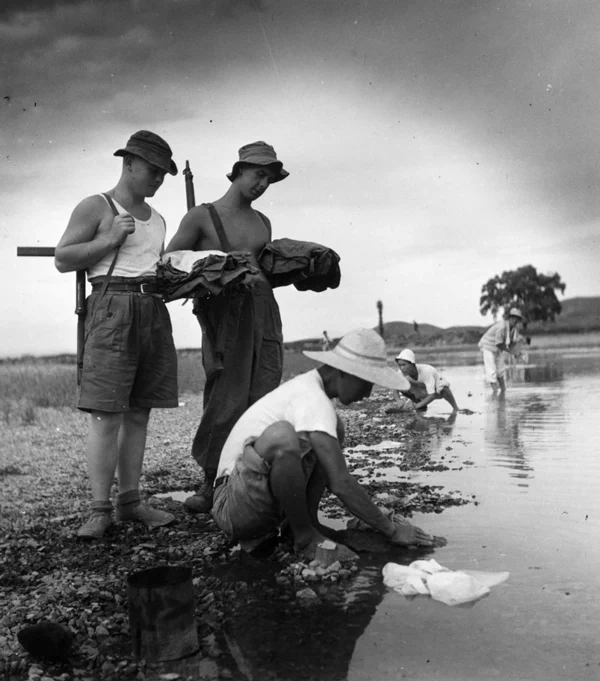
(380, 313)
(532, 292)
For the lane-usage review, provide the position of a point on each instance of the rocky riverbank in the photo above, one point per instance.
(47, 575)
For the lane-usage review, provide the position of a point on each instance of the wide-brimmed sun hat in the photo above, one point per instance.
(407, 355)
(259, 154)
(151, 148)
(515, 312)
(362, 353)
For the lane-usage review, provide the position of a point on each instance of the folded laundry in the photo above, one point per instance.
(185, 260)
(187, 274)
(307, 265)
(428, 577)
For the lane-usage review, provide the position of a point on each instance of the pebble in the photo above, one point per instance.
(307, 597)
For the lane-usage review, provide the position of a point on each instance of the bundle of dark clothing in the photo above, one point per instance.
(306, 265)
(208, 275)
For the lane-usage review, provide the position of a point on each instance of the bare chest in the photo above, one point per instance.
(241, 233)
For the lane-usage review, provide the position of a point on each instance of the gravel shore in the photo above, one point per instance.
(47, 575)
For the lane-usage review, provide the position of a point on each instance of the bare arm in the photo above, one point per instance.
(190, 231)
(345, 486)
(92, 232)
(427, 400)
(355, 498)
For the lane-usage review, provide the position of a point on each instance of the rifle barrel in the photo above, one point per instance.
(43, 251)
(189, 186)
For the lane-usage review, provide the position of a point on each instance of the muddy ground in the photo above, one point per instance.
(48, 575)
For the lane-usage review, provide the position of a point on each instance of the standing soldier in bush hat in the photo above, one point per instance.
(129, 360)
(242, 342)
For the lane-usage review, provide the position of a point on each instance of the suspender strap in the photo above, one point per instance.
(225, 243)
(108, 274)
(111, 203)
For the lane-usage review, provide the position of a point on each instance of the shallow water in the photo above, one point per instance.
(532, 461)
(536, 474)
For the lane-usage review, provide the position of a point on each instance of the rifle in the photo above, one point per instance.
(80, 302)
(80, 297)
(189, 186)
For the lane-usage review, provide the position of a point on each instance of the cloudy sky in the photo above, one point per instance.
(432, 143)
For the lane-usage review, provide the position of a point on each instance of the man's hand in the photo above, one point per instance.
(116, 229)
(406, 534)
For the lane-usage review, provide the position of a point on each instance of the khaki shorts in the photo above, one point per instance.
(243, 505)
(129, 356)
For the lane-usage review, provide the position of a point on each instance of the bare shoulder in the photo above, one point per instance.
(195, 218)
(85, 219)
(191, 230)
(94, 205)
(89, 212)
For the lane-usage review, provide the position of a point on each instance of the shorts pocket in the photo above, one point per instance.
(107, 329)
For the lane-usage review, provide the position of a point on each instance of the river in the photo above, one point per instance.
(532, 460)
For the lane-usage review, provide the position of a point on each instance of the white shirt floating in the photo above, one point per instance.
(429, 578)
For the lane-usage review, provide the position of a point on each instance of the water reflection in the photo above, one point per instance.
(502, 434)
(283, 641)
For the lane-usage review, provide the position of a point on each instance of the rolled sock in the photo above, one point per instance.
(129, 499)
(101, 506)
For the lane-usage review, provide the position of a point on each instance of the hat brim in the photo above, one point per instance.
(170, 168)
(277, 166)
(386, 377)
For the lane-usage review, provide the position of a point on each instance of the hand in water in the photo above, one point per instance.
(406, 534)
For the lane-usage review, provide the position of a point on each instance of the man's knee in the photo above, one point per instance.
(278, 439)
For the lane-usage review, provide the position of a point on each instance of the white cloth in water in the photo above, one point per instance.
(428, 577)
(184, 260)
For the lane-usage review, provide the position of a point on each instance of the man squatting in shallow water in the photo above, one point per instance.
(242, 342)
(287, 448)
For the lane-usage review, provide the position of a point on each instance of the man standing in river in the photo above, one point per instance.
(499, 338)
(242, 342)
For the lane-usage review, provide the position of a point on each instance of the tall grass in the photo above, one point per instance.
(31, 384)
(190, 374)
(42, 385)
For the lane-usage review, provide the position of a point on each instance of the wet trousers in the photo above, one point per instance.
(242, 356)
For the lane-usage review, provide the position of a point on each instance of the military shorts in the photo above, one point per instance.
(129, 356)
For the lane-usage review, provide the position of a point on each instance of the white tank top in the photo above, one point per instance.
(139, 253)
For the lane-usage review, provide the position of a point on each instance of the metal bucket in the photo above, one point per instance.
(161, 613)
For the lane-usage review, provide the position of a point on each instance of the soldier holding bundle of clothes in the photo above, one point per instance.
(242, 343)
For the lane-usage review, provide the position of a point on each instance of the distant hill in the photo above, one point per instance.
(578, 315)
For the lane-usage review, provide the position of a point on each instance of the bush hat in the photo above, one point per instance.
(515, 312)
(362, 353)
(259, 154)
(151, 148)
(407, 355)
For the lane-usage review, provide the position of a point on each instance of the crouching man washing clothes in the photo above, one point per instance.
(286, 449)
